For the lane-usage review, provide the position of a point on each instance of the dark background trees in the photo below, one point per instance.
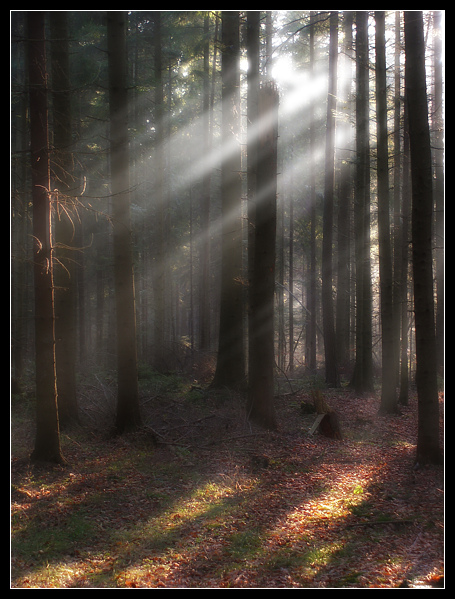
(178, 170)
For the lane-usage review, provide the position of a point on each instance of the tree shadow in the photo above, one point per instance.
(320, 513)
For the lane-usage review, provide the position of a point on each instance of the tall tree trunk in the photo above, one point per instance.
(128, 414)
(204, 286)
(64, 271)
(388, 393)
(343, 304)
(312, 327)
(428, 449)
(253, 55)
(262, 361)
(397, 227)
(362, 379)
(403, 397)
(159, 258)
(268, 45)
(47, 440)
(331, 366)
(438, 127)
(230, 369)
(291, 280)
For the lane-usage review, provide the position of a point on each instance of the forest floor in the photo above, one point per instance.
(217, 503)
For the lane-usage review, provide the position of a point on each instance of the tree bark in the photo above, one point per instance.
(230, 369)
(331, 365)
(403, 397)
(262, 287)
(160, 357)
(311, 344)
(438, 151)
(204, 285)
(252, 40)
(343, 303)
(362, 380)
(428, 449)
(128, 413)
(47, 440)
(64, 271)
(388, 387)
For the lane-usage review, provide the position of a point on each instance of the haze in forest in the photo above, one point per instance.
(239, 189)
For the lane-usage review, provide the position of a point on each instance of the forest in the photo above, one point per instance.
(227, 335)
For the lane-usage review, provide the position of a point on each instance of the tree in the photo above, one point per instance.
(428, 449)
(388, 389)
(331, 366)
(262, 285)
(362, 379)
(230, 369)
(312, 323)
(207, 117)
(343, 298)
(63, 181)
(438, 127)
(253, 25)
(47, 440)
(128, 414)
(159, 260)
(403, 397)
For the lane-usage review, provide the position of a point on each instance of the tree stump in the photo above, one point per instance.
(329, 423)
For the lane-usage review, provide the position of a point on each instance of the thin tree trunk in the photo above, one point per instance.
(312, 328)
(331, 366)
(343, 308)
(291, 280)
(252, 41)
(397, 196)
(438, 151)
(159, 257)
(362, 379)
(128, 414)
(388, 393)
(204, 286)
(47, 440)
(428, 449)
(64, 271)
(403, 397)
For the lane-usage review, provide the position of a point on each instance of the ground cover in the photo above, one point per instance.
(199, 498)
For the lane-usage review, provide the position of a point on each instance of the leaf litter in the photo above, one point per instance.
(219, 504)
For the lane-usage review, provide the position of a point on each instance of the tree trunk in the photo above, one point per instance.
(128, 414)
(388, 393)
(262, 360)
(230, 369)
(438, 151)
(47, 440)
(64, 271)
(159, 255)
(428, 449)
(252, 41)
(403, 397)
(331, 366)
(343, 304)
(397, 226)
(312, 325)
(204, 285)
(362, 379)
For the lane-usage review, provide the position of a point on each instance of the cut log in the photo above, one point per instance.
(327, 421)
(330, 426)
